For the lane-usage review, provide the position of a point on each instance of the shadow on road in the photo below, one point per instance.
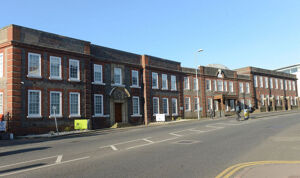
(21, 168)
(22, 151)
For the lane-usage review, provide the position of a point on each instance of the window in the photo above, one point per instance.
(271, 82)
(74, 104)
(186, 83)
(214, 85)
(118, 76)
(1, 103)
(135, 78)
(209, 104)
(165, 106)
(277, 101)
(220, 85)
(155, 105)
(174, 106)
(55, 67)
(286, 85)
(276, 83)
(135, 105)
(74, 70)
(231, 87)
(225, 86)
(290, 85)
(232, 105)
(154, 80)
(216, 104)
(98, 74)
(255, 81)
(196, 101)
(195, 84)
(262, 100)
(55, 103)
(1, 64)
(294, 86)
(241, 87)
(173, 82)
(187, 104)
(242, 104)
(261, 84)
(268, 100)
(281, 84)
(34, 65)
(294, 70)
(266, 82)
(164, 80)
(98, 105)
(208, 85)
(247, 88)
(34, 103)
(249, 103)
(295, 101)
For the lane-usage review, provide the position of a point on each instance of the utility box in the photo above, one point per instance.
(81, 124)
(160, 117)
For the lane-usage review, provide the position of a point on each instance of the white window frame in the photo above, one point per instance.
(164, 81)
(286, 85)
(215, 85)
(231, 87)
(176, 108)
(121, 77)
(73, 79)
(261, 82)
(157, 99)
(173, 83)
(138, 102)
(78, 114)
(1, 103)
(39, 115)
(135, 73)
(222, 87)
(155, 76)
(189, 102)
(262, 97)
(281, 84)
(59, 77)
(208, 83)
(290, 85)
(255, 81)
(166, 99)
(276, 83)
(233, 104)
(266, 82)
(247, 88)
(195, 82)
(1, 65)
(102, 108)
(39, 75)
(225, 86)
(271, 82)
(294, 86)
(98, 68)
(241, 87)
(186, 83)
(198, 104)
(60, 104)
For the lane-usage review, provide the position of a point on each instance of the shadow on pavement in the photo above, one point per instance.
(22, 151)
(20, 168)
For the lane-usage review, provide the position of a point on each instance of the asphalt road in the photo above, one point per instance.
(186, 149)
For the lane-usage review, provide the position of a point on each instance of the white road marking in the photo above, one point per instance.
(28, 161)
(147, 140)
(124, 142)
(212, 126)
(59, 158)
(40, 167)
(195, 130)
(175, 134)
(151, 143)
(223, 123)
(113, 147)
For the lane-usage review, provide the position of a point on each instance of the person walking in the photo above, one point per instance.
(238, 111)
(211, 114)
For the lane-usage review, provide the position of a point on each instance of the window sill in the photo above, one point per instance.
(55, 78)
(164, 89)
(100, 115)
(166, 114)
(173, 90)
(35, 117)
(73, 80)
(135, 87)
(136, 115)
(73, 116)
(34, 76)
(98, 83)
(58, 116)
(156, 88)
(117, 85)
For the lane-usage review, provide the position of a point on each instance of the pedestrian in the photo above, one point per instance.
(237, 111)
(211, 114)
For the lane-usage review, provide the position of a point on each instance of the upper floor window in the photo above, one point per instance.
(1, 64)
(276, 83)
(266, 82)
(74, 70)
(255, 81)
(261, 84)
(34, 103)
(98, 77)
(154, 80)
(208, 85)
(55, 67)
(247, 88)
(290, 85)
(214, 85)
(173, 82)
(231, 86)
(220, 85)
(281, 84)
(225, 86)
(286, 85)
(271, 82)
(55, 103)
(34, 65)
(294, 86)
(118, 76)
(165, 106)
(135, 78)
(164, 81)
(241, 87)
(195, 82)
(186, 83)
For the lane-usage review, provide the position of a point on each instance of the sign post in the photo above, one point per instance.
(54, 110)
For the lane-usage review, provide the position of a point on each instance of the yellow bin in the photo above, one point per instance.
(81, 124)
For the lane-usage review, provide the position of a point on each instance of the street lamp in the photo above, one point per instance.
(198, 100)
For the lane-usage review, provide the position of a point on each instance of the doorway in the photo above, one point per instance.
(118, 112)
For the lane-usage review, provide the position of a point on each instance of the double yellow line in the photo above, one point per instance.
(233, 169)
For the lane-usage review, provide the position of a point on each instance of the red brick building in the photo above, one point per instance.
(44, 75)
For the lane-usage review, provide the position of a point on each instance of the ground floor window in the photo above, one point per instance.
(174, 106)
(262, 100)
(165, 105)
(34, 103)
(135, 105)
(74, 104)
(196, 101)
(216, 105)
(55, 103)
(232, 105)
(155, 105)
(187, 104)
(209, 104)
(98, 104)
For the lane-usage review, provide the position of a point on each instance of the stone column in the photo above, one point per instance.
(266, 104)
(289, 103)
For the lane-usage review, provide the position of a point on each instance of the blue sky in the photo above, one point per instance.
(236, 33)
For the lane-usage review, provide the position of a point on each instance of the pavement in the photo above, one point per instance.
(209, 148)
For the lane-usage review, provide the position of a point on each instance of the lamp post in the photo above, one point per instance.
(198, 100)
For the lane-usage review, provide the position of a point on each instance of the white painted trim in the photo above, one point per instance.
(137, 76)
(78, 114)
(155, 87)
(60, 103)
(102, 112)
(138, 106)
(1, 65)
(77, 79)
(40, 66)
(98, 83)
(121, 78)
(39, 115)
(166, 81)
(157, 105)
(101, 71)
(60, 72)
(1, 104)
(167, 114)
(137, 115)
(174, 77)
(135, 87)
(188, 83)
(174, 114)
(117, 85)
(107, 115)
